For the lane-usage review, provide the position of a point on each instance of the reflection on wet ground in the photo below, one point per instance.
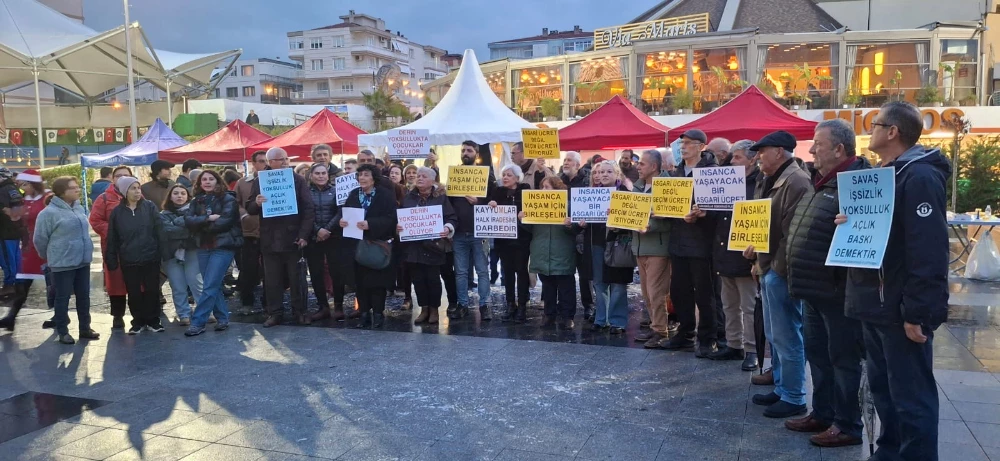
(30, 411)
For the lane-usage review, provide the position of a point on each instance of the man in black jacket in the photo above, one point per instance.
(575, 175)
(281, 251)
(471, 251)
(901, 304)
(323, 153)
(832, 340)
(691, 279)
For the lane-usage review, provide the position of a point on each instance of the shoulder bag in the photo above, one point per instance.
(373, 254)
(618, 253)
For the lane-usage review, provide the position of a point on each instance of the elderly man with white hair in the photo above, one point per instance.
(720, 148)
(575, 175)
(281, 241)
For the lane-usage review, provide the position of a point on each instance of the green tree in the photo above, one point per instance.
(979, 174)
(383, 106)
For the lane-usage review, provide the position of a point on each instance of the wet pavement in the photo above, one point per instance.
(466, 389)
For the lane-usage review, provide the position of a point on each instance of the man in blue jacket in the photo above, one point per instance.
(901, 304)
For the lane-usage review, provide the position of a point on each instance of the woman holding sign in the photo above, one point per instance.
(378, 225)
(425, 257)
(553, 249)
(610, 283)
(513, 252)
(214, 221)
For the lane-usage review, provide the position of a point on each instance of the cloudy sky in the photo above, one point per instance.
(259, 27)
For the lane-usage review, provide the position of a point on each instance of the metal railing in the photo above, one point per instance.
(325, 94)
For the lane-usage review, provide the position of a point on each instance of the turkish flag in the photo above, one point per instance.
(16, 137)
(128, 135)
(109, 135)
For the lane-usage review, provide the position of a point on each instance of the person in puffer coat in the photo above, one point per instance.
(214, 220)
(135, 241)
(553, 258)
(180, 252)
(326, 247)
(424, 258)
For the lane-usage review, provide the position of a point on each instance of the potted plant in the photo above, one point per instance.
(928, 95)
(895, 82)
(807, 78)
(852, 99)
(725, 83)
(683, 101)
(551, 109)
(968, 100)
(949, 98)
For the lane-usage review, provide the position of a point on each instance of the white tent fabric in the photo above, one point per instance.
(469, 111)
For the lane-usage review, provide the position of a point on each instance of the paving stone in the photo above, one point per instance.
(216, 452)
(622, 441)
(988, 435)
(160, 449)
(960, 452)
(978, 412)
(955, 432)
(106, 443)
(328, 440)
(208, 428)
(47, 439)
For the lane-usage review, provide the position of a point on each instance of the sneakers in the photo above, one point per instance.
(184, 321)
(783, 409)
(134, 330)
(89, 334)
(222, 326)
(194, 330)
(726, 353)
(645, 337)
(616, 330)
(673, 326)
(156, 328)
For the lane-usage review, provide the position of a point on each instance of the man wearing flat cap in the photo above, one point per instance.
(785, 183)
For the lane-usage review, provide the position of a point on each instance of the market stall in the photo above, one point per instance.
(615, 125)
(231, 144)
(325, 127)
(751, 115)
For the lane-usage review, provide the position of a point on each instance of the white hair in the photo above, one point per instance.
(575, 156)
(274, 152)
(515, 170)
(427, 171)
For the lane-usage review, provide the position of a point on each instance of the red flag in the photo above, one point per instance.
(109, 135)
(16, 137)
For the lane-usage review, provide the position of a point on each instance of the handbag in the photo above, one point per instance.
(373, 254)
(619, 252)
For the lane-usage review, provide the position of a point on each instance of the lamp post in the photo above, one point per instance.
(128, 66)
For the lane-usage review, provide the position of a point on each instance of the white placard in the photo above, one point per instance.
(405, 144)
(345, 184)
(590, 204)
(353, 216)
(498, 222)
(279, 188)
(420, 223)
(718, 188)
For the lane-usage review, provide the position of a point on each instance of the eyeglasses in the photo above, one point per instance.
(282, 159)
(883, 125)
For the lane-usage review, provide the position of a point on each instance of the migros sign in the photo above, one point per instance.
(862, 119)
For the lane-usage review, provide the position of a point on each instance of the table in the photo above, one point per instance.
(965, 240)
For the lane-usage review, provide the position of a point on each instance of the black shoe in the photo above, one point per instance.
(473, 285)
(749, 362)
(485, 313)
(509, 314)
(7, 323)
(155, 328)
(783, 409)
(765, 399)
(49, 324)
(89, 334)
(645, 322)
(595, 327)
(673, 326)
(567, 324)
(66, 339)
(452, 311)
(377, 320)
(118, 323)
(549, 321)
(366, 320)
(616, 330)
(727, 353)
(705, 351)
(134, 330)
(677, 343)
(643, 337)
(655, 342)
(588, 313)
(522, 314)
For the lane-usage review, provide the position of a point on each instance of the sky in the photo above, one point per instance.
(259, 27)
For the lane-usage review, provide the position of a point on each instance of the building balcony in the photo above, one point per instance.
(325, 95)
(268, 78)
(375, 51)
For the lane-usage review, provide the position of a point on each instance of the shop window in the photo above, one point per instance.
(247, 71)
(718, 75)
(877, 73)
(497, 83)
(232, 92)
(249, 91)
(799, 73)
(594, 81)
(660, 77)
(537, 87)
(959, 67)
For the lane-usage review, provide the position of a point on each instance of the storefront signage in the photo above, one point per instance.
(619, 36)
(861, 119)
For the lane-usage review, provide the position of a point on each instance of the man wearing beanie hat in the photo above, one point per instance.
(11, 230)
(156, 189)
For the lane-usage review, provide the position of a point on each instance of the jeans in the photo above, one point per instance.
(692, 283)
(559, 295)
(466, 245)
(610, 299)
(834, 350)
(901, 378)
(788, 360)
(214, 264)
(250, 270)
(73, 282)
(142, 283)
(184, 275)
(427, 283)
(10, 261)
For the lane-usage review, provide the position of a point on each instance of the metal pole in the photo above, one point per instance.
(128, 65)
(38, 113)
(170, 108)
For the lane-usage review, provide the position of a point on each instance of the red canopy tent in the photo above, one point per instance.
(323, 128)
(615, 125)
(751, 115)
(229, 144)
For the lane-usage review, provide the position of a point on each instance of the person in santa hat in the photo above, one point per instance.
(33, 190)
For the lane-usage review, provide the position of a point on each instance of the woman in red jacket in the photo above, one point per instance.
(114, 284)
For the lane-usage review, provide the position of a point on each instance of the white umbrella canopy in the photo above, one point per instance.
(469, 111)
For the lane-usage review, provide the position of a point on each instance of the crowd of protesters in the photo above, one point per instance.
(697, 296)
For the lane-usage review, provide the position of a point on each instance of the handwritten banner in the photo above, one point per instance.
(868, 198)
(672, 197)
(498, 222)
(540, 143)
(717, 188)
(545, 206)
(405, 144)
(630, 210)
(751, 225)
(468, 180)
(279, 188)
(345, 184)
(590, 204)
(420, 223)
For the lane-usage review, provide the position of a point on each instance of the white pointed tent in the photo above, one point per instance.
(469, 111)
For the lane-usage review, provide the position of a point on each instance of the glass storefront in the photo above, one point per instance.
(803, 74)
(958, 71)
(661, 76)
(594, 81)
(537, 92)
(497, 82)
(718, 75)
(884, 72)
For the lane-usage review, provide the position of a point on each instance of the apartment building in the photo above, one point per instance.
(341, 61)
(268, 81)
(549, 43)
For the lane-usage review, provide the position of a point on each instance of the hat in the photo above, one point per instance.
(159, 165)
(697, 135)
(29, 176)
(124, 183)
(5, 174)
(780, 138)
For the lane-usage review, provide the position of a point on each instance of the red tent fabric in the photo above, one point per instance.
(615, 125)
(229, 144)
(751, 115)
(323, 128)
